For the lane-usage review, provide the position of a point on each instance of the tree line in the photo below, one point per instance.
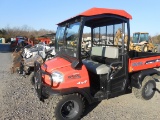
(26, 31)
(156, 39)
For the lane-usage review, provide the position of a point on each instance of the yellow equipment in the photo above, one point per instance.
(142, 43)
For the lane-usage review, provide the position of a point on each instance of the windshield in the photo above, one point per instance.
(59, 36)
(135, 38)
(140, 37)
(144, 37)
(67, 39)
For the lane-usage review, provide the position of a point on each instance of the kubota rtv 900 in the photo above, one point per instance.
(75, 76)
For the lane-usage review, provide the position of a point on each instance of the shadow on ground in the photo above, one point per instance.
(89, 108)
(158, 90)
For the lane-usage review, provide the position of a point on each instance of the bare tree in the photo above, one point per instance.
(24, 31)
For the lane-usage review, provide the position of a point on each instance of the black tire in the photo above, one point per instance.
(68, 107)
(146, 91)
(31, 78)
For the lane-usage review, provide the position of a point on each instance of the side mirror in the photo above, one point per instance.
(76, 64)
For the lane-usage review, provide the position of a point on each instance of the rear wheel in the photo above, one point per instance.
(154, 50)
(69, 107)
(146, 91)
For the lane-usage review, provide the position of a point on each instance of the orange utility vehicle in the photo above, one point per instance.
(71, 81)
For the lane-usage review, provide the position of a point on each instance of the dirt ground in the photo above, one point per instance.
(18, 101)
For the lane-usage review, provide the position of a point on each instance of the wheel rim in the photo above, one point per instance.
(69, 109)
(149, 89)
(145, 49)
(155, 50)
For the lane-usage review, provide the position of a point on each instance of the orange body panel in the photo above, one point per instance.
(138, 64)
(72, 78)
(46, 40)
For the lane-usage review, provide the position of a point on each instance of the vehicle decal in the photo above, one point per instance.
(74, 76)
(152, 61)
(84, 82)
(145, 63)
(137, 64)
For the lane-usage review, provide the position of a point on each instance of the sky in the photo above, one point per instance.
(45, 14)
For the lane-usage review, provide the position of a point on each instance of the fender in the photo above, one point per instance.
(137, 78)
(84, 92)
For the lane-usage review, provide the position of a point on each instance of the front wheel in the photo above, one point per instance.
(145, 48)
(147, 89)
(69, 107)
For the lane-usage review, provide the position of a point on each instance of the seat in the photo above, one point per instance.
(100, 52)
(108, 52)
(105, 55)
(96, 67)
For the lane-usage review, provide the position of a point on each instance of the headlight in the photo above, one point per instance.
(57, 77)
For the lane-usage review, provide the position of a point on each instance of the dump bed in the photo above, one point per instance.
(143, 60)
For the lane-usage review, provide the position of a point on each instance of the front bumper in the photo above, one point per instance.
(43, 90)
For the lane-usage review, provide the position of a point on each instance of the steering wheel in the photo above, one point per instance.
(85, 54)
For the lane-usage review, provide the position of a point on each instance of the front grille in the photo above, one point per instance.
(38, 73)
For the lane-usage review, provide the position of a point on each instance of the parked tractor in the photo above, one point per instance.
(142, 42)
(69, 81)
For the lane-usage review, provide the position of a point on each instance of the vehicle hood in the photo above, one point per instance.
(55, 64)
(141, 43)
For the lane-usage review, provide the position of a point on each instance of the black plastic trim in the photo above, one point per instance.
(137, 78)
(84, 92)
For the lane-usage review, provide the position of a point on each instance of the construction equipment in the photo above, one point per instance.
(111, 70)
(142, 42)
(40, 52)
(23, 59)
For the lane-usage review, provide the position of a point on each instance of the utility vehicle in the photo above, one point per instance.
(72, 78)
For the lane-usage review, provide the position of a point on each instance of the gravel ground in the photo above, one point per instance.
(18, 101)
